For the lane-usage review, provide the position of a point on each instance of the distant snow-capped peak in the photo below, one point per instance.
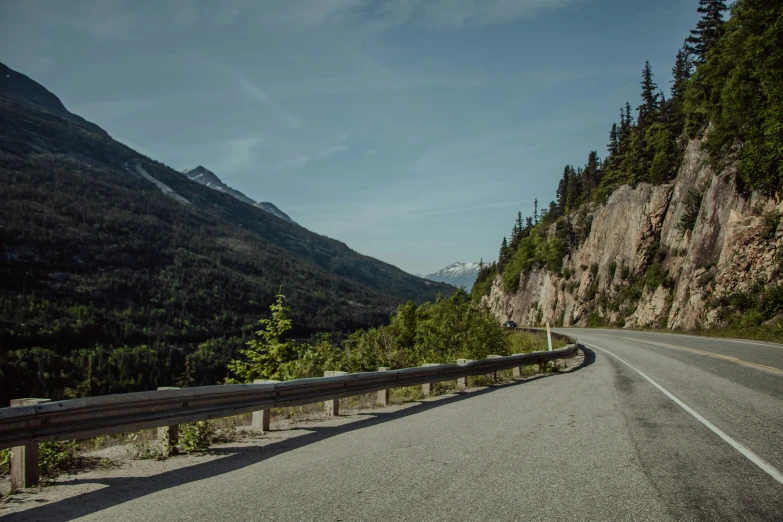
(457, 274)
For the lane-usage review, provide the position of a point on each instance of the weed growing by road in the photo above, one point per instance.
(55, 458)
(196, 437)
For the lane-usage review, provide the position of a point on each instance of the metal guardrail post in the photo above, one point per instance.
(261, 418)
(332, 406)
(24, 459)
(494, 374)
(383, 395)
(168, 436)
(462, 382)
(428, 388)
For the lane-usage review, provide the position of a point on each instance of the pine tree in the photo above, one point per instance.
(708, 30)
(591, 174)
(681, 73)
(518, 226)
(614, 144)
(562, 190)
(503, 253)
(649, 108)
(535, 211)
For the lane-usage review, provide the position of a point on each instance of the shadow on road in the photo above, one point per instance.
(119, 490)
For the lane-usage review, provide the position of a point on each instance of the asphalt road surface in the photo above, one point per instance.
(650, 427)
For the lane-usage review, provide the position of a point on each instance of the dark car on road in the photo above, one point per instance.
(509, 324)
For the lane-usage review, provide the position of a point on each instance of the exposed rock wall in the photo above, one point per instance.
(727, 250)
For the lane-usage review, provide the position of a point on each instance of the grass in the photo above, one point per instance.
(527, 342)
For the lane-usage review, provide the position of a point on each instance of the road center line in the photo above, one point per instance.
(711, 354)
(755, 459)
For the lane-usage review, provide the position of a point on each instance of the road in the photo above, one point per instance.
(649, 427)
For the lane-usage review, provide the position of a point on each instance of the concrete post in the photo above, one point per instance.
(332, 406)
(428, 388)
(168, 436)
(383, 395)
(516, 371)
(462, 382)
(261, 418)
(24, 459)
(494, 374)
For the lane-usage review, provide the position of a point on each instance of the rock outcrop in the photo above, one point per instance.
(639, 268)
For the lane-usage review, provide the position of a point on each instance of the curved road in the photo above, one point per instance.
(650, 427)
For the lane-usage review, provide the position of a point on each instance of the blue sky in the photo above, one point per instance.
(412, 130)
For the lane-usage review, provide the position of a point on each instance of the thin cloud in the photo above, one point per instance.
(256, 92)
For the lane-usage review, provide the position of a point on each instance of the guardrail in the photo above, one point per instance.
(34, 421)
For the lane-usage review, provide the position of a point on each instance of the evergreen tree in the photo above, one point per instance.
(681, 73)
(708, 29)
(649, 107)
(614, 141)
(562, 190)
(266, 358)
(503, 253)
(591, 174)
(535, 211)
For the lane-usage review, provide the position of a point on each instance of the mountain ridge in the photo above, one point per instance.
(459, 274)
(91, 227)
(208, 178)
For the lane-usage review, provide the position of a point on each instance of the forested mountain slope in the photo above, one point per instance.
(120, 273)
(679, 226)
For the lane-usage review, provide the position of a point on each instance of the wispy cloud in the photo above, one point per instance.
(238, 154)
(446, 14)
(256, 92)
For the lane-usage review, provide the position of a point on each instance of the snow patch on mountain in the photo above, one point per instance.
(162, 186)
(457, 274)
(208, 178)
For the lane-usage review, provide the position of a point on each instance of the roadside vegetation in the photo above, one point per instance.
(449, 329)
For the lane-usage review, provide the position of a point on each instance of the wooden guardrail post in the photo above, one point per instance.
(261, 418)
(428, 388)
(494, 374)
(332, 406)
(383, 395)
(168, 436)
(462, 382)
(24, 459)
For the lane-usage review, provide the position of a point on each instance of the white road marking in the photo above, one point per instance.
(755, 459)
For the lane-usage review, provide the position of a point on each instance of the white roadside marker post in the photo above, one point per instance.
(549, 336)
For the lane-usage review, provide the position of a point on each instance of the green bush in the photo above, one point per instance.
(196, 437)
(692, 203)
(770, 225)
(55, 458)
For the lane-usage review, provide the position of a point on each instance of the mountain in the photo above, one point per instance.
(680, 226)
(208, 178)
(108, 257)
(457, 274)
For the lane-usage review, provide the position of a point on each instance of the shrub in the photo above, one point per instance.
(196, 436)
(55, 458)
(770, 225)
(612, 269)
(692, 204)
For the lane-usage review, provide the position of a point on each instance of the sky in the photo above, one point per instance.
(412, 130)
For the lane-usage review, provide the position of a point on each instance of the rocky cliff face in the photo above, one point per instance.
(639, 267)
